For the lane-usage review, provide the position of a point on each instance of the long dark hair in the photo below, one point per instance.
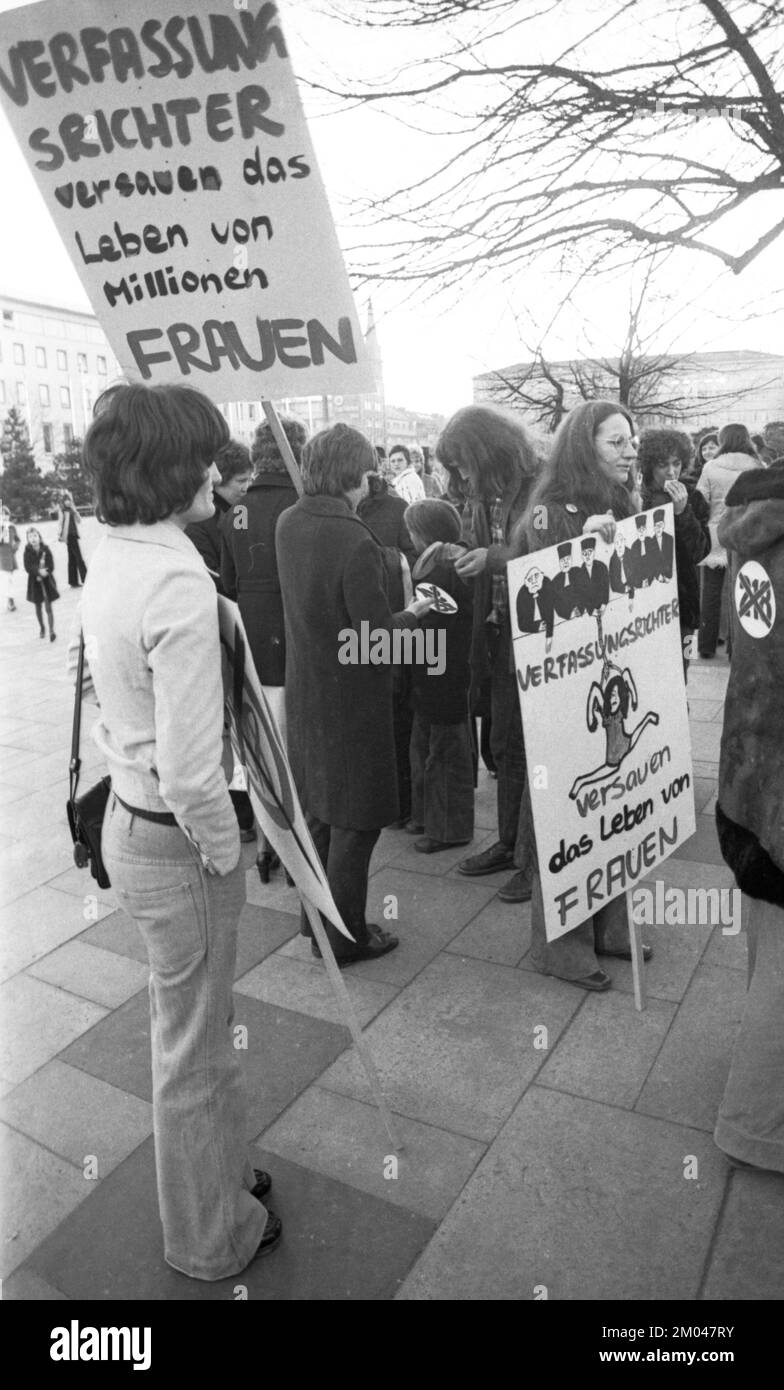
(619, 684)
(490, 445)
(735, 439)
(572, 475)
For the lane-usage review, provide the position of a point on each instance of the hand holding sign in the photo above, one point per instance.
(439, 600)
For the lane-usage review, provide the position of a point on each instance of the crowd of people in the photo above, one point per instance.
(324, 541)
(38, 561)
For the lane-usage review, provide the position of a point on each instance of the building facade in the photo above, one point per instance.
(54, 363)
(694, 390)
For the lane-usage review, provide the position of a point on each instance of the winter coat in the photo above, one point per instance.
(692, 543)
(206, 537)
(40, 589)
(249, 570)
(715, 481)
(384, 513)
(750, 809)
(339, 713)
(443, 699)
(9, 544)
(476, 534)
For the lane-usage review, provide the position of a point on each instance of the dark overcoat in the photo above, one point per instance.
(40, 588)
(206, 537)
(750, 809)
(339, 715)
(249, 570)
(443, 698)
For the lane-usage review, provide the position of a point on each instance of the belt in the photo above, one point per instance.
(160, 817)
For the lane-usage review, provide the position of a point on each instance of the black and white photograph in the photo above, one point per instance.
(392, 638)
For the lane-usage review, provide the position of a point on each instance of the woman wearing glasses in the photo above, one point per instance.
(582, 488)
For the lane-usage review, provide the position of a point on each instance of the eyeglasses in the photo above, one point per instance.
(620, 444)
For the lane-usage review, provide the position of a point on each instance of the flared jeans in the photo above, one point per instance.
(212, 1225)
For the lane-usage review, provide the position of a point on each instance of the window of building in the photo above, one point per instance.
(68, 435)
(40, 357)
(65, 397)
(21, 393)
(88, 401)
(19, 354)
(251, 411)
(62, 360)
(2, 393)
(81, 361)
(101, 366)
(8, 316)
(48, 434)
(43, 394)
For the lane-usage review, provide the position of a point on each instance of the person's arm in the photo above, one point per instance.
(363, 590)
(180, 634)
(228, 570)
(30, 560)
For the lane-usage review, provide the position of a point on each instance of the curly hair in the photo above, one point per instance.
(264, 452)
(657, 447)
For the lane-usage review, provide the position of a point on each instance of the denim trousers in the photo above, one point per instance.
(507, 747)
(442, 779)
(750, 1124)
(345, 854)
(212, 1225)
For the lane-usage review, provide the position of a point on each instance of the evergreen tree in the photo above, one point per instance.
(69, 474)
(24, 489)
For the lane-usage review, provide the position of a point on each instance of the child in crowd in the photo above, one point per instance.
(41, 588)
(442, 775)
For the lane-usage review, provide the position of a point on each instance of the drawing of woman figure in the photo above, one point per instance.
(610, 702)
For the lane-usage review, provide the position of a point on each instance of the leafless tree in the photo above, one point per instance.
(591, 149)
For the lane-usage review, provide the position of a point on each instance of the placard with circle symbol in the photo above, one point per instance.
(755, 601)
(442, 601)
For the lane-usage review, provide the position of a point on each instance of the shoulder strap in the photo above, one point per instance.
(76, 762)
(239, 686)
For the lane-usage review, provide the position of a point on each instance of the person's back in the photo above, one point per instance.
(443, 694)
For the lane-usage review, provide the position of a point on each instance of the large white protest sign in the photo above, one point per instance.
(170, 145)
(599, 668)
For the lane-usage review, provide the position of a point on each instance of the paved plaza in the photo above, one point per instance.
(586, 1168)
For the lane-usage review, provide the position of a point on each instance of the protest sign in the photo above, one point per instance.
(598, 657)
(258, 748)
(171, 149)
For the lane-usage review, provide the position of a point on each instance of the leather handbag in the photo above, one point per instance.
(85, 813)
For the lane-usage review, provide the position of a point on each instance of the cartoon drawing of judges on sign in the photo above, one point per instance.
(598, 658)
(171, 149)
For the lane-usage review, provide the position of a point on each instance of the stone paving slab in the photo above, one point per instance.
(37, 1021)
(303, 985)
(26, 1287)
(500, 933)
(431, 912)
(285, 1052)
(36, 924)
(30, 863)
(703, 846)
(91, 973)
(346, 1140)
(39, 1190)
(586, 1199)
(747, 1260)
(338, 1243)
(438, 1066)
(409, 858)
(608, 1050)
(688, 1079)
(676, 954)
(74, 1114)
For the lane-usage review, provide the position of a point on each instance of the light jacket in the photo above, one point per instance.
(150, 621)
(715, 481)
(750, 809)
(409, 486)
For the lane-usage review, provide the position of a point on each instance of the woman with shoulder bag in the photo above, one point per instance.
(171, 842)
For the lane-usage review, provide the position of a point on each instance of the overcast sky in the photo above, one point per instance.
(431, 348)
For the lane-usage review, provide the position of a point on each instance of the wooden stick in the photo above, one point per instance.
(282, 442)
(635, 937)
(339, 986)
